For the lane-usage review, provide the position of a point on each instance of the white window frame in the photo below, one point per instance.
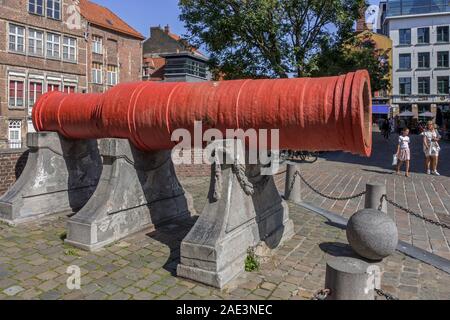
(36, 5)
(97, 44)
(51, 6)
(51, 44)
(15, 35)
(15, 128)
(71, 49)
(71, 85)
(53, 84)
(31, 102)
(15, 105)
(33, 38)
(97, 74)
(113, 76)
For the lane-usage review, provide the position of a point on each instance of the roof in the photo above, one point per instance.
(184, 42)
(103, 17)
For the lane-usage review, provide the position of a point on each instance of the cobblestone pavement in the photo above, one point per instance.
(34, 261)
(341, 174)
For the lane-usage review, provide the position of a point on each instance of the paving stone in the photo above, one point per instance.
(143, 295)
(12, 291)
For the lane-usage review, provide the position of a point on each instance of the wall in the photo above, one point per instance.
(24, 65)
(12, 163)
(122, 51)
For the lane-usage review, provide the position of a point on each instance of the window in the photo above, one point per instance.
(424, 60)
(443, 85)
(405, 36)
(442, 34)
(424, 85)
(70, 49)
(53, 87)
(53, 45)
(423, 35)
(36, 7)
(69, 88)
(35, 42)
(405, 86)
(97, 73)
(14, 134)
(97, 45)
(34, 92)
(405, 61)
(112, 75)
(16, 94)
(442, 59)
(16, 38)
(54, 9)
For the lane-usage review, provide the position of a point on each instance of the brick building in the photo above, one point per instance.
(167, 57)
(66, 45)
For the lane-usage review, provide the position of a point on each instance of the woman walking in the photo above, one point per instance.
(431, 148)
(403, 151)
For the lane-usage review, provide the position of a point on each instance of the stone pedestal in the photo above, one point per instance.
(374, 194)
(293, 184)
(60, 176)
(137, 191)
(350, 279)
(243, 209)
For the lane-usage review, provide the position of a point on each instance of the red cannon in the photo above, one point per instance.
(312, 114)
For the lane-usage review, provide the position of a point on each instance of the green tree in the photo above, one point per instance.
(267, 38)
(359, 51)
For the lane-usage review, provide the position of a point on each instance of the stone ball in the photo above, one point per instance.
(372, 234)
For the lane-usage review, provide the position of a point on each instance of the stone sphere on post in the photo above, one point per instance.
(372, 234)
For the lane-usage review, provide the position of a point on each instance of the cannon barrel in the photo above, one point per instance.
(312, 114)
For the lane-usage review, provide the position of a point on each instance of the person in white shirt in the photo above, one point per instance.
(431, 148)
(403, 151)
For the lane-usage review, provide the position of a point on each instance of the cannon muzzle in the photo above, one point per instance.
(312, 114)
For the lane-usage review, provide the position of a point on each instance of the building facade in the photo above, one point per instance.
(51, 45)
(368, 29)
(167, 57)
(421, 48)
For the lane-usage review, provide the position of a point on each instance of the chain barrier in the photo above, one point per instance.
(386, 295)
(321, 295)
(298, 174)
(436, 223)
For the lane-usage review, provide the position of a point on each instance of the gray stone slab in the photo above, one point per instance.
(137, 191)
(233, 221)
(60, 176)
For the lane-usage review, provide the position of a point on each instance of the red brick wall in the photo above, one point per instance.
(12, 163)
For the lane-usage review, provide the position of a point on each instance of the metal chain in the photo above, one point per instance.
(322, 295)
(436, 223)
(386, 295)
(324, 195)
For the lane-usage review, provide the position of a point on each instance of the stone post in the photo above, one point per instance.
(374, 194)
(350, 279)
(293, 184)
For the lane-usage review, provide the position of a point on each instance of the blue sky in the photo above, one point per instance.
(141, 14)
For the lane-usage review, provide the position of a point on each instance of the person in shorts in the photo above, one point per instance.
(403, 151)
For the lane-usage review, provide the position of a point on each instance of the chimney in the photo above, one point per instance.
(154, 29)
(167, 29)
